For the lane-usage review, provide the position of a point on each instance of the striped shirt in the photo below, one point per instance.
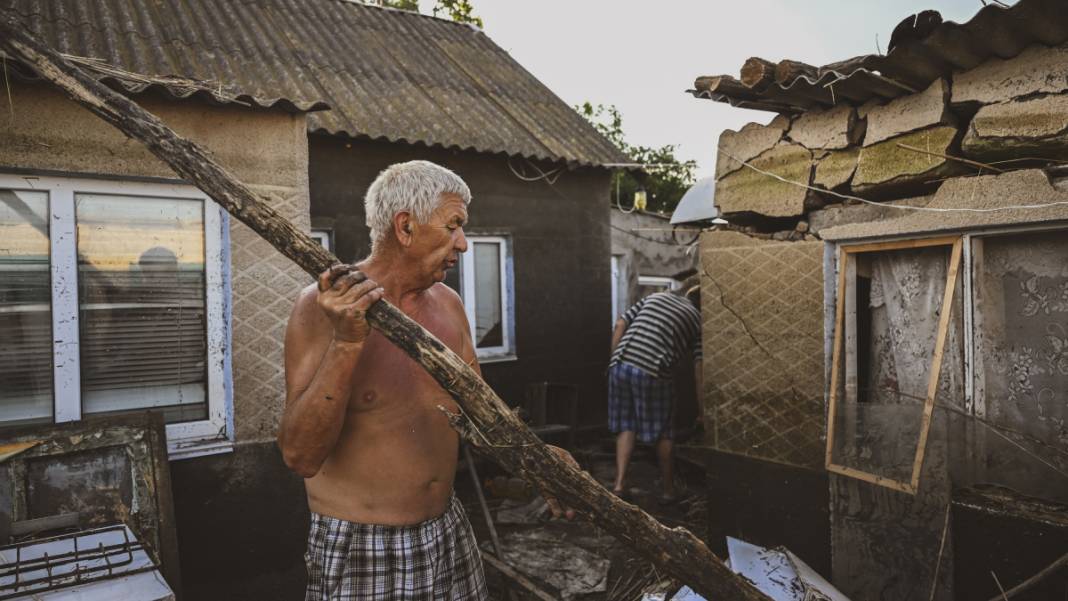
(660, 329)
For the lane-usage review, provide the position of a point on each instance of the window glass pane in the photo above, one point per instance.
(891, 327)
(25, 308)
(141, 305)
(1021, 363)
(488, 314)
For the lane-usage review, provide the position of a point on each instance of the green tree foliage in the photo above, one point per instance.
(412, 5)
(665, 177)
(460, 11)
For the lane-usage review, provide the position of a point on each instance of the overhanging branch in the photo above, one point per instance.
(501, 434)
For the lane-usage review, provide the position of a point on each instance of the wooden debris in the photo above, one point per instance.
(1032, 581)
(758, 73)
(748, 191)
(515, 576)
(909, 113)
(484, 419)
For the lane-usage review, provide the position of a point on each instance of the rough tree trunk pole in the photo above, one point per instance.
(484, 420)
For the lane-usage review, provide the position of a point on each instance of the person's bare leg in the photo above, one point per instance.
(664, 448)
(624, 449)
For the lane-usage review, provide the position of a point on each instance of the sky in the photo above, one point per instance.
(643, 55)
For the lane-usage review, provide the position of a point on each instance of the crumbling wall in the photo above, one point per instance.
(1005, 114)
(968, 141)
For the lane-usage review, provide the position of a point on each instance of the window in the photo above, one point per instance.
(483, 279)
(963, 336)
(648, 284)
(893, 315)
(324, 237)
(112, 298)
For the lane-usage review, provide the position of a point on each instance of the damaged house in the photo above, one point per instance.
(125, 289)
(886, 316)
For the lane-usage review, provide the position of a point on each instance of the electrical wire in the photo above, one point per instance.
(550, 177)
(619, 176)
(892, 206)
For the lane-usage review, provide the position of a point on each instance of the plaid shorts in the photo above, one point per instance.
(437, 560)
(639, 403)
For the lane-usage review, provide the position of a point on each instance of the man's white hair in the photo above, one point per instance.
(416, 187)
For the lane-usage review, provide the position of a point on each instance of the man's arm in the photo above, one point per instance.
(324, 339)
(617, 334)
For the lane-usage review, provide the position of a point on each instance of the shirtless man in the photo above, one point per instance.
(362, 423)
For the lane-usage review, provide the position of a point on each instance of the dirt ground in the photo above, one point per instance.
(627, 574)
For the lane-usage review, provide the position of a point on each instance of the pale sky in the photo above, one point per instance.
(642, 55)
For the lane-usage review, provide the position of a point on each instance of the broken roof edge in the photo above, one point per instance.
(172, 87)
(1015, 198)
(570, 164)
(920, 50)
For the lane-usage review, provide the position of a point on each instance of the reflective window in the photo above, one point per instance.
(141, 305)
(25, 308)
(482, 278)
(489, 319)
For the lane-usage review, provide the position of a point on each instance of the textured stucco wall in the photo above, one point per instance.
(265, 149)
(762, 313)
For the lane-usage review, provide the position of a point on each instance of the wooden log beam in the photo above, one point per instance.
(484, 419)
(758, 73)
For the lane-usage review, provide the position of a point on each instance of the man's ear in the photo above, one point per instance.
(402, 228)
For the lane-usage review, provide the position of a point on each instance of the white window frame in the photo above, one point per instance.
(507, 351)
(657, 280)
(617, 275)
(324, 237)
(187, 439)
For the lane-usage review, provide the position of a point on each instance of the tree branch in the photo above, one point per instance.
(501, 434)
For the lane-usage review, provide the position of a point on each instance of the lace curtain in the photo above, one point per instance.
(1021, 325)
(903, 307)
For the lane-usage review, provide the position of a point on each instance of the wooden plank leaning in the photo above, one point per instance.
(484, 420)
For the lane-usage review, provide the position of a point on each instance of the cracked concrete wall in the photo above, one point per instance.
(762, 314)
(266, 149)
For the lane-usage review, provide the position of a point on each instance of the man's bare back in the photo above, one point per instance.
(395, 457)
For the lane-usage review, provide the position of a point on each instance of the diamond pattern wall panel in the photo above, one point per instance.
(762, 310)
(265, 286)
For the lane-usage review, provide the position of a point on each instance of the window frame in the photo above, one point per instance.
(186, 439)
(507, 351)
(847, 283)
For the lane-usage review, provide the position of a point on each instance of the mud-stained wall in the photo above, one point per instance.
(762, 313)
(266, 149)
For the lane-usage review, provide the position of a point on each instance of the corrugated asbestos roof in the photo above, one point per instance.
(385, 74)
(922, 49)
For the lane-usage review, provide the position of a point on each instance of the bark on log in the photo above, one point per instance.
(485, 420)
(758, 73)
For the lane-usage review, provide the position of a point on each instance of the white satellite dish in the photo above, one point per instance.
(698, 204)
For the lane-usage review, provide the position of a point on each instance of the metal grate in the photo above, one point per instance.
(72, 559)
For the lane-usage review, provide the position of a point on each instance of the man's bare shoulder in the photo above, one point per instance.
(306, 316)
(447, 296)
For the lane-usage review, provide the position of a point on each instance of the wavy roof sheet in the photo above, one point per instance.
(385, 74)
(922, 48)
